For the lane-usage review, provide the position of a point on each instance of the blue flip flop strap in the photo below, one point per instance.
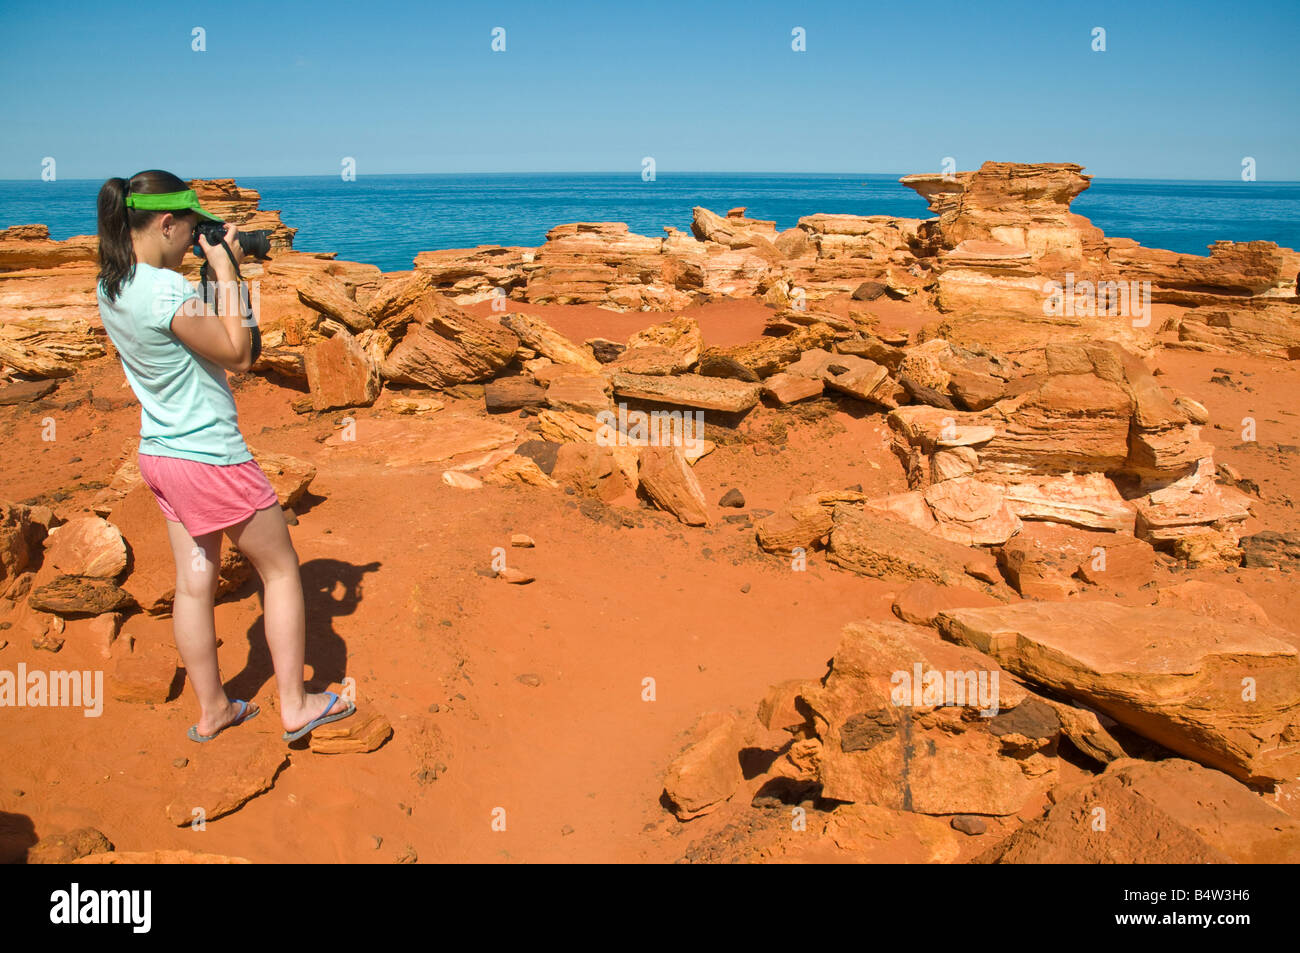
(333, 698)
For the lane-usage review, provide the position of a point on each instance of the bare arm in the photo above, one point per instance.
(225, 339)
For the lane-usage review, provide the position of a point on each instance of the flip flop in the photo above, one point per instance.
(243, 716)
(322, 720)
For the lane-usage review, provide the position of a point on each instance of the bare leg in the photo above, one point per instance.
(264, 539)
(193, 626)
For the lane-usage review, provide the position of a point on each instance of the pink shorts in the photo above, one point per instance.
(205, 497)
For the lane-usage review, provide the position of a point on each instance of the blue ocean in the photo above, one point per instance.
(385, 220)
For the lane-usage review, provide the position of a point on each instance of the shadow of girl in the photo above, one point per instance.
(326, 653)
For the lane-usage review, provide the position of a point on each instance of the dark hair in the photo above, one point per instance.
(116, 222)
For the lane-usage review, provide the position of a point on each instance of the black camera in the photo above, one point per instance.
(254, 244)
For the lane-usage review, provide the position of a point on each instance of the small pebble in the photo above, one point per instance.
(529, 679)
(180, 762)
(732, 497)
(969, 824)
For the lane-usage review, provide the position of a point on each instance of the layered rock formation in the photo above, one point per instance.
(1006, 244)
(1004, 256)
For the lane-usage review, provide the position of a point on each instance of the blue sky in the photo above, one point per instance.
(1183, 90)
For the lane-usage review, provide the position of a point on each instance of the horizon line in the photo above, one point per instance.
(637, 174)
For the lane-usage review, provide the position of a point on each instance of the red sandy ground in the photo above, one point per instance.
(391, 561)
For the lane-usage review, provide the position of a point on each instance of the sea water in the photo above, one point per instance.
(386, 220)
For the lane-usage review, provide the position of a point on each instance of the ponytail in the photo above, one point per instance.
(116, 252)
(116, 222)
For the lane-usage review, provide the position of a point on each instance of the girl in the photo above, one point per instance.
(175, 352)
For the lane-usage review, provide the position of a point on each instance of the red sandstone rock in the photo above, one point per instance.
(237, 204)
(341, 374)
(69, 847)
(1172, 676)
(708, 772)
(1142, 812)
(444, 345)
(328, 296)
(221, 778)
(146, 679)
(87, 546)
(669, 481)
(921, 602)
(590, 469)
(360, 733)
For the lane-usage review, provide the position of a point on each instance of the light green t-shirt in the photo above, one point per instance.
(186, 407)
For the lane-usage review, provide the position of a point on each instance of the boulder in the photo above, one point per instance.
(671, 484)
(1267, 549)
(922, 601)
(1226, 694)
(512, 393)
(289, 476)
(145, 678)
(444, 345)
(20, 536)
(907, 723)
(972, 513)
(590, 469)
(802, 522)
(678, 339)
(48, 346)
(86, 546)
(584, 393)
(688, 390)
(79, 595)
(786, 389)
(707, 773)
(518, 470)
(535, 333)
(1041, 562)
(25, 392)
(1213, 601)
(1147, 812)
(329, 296)
(68, 847)
(340, 373)
(885, 547)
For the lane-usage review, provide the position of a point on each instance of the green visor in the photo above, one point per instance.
(185, 201)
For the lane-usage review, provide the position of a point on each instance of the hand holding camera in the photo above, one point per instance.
(208, 237)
